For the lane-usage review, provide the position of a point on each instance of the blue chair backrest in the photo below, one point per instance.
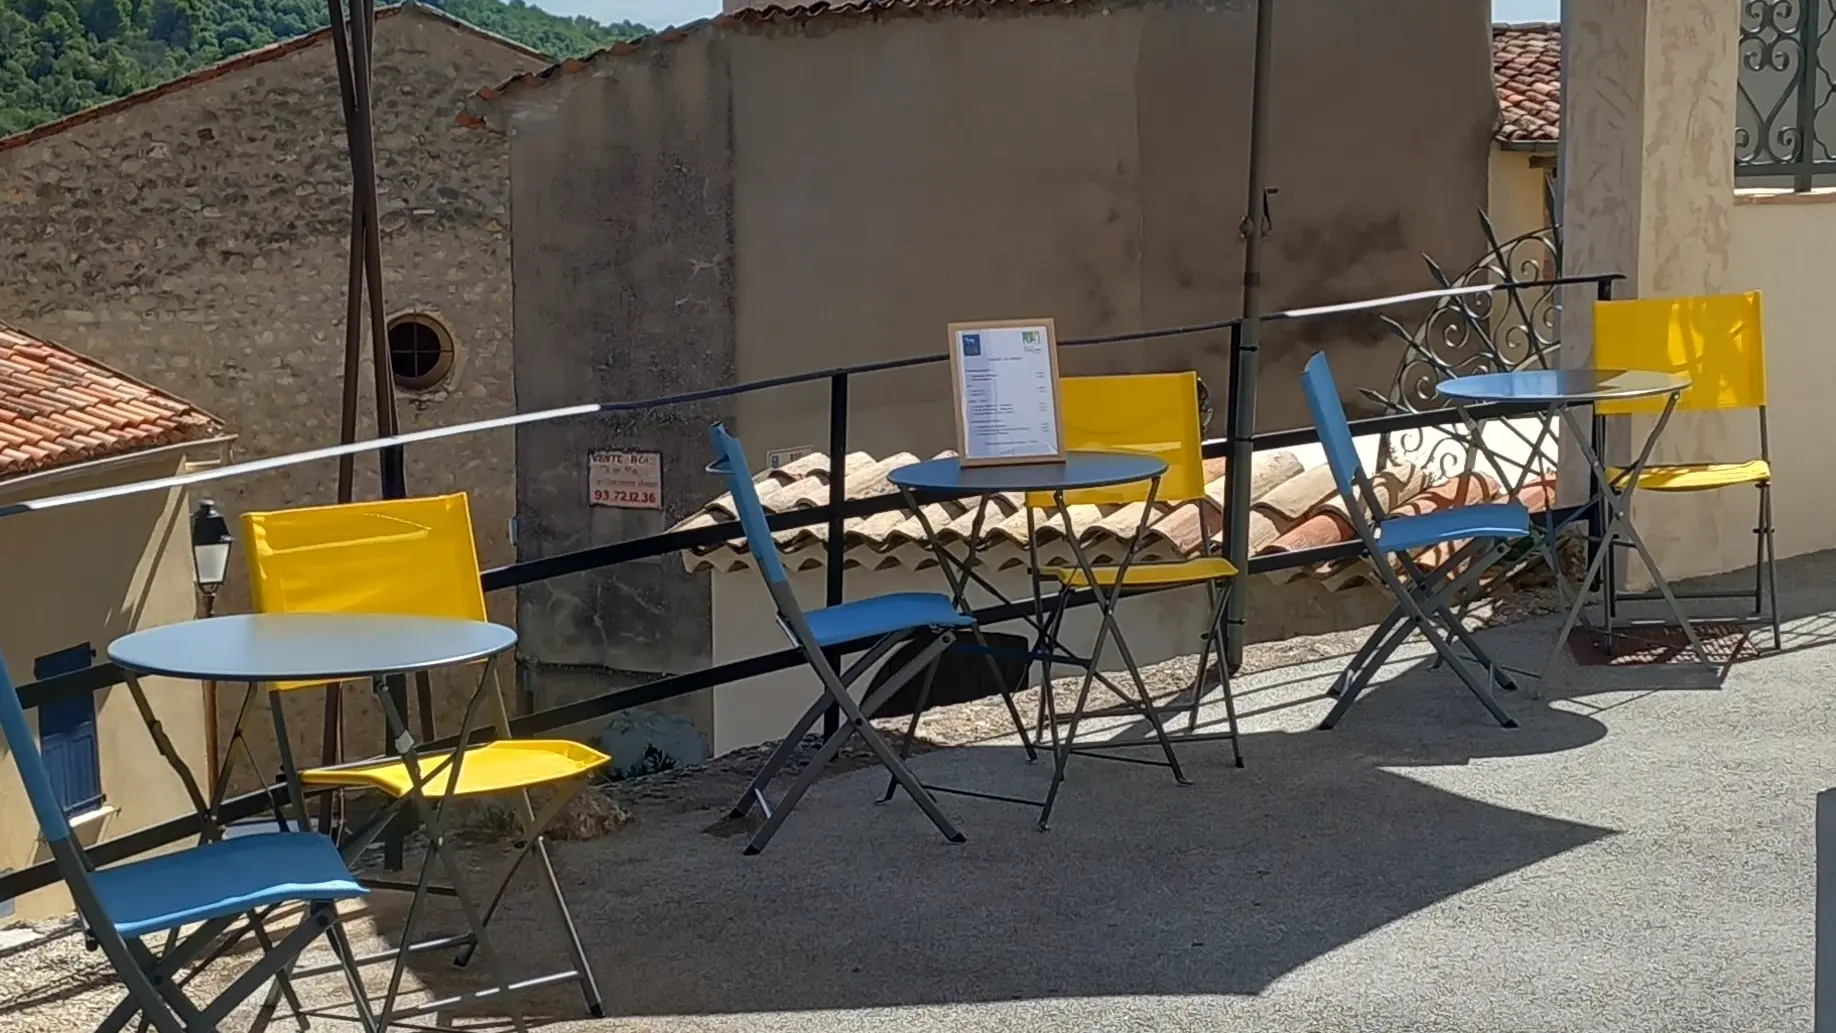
(732, 463)
(23, 745)
(1335, 434)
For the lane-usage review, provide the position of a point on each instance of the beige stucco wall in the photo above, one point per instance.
(1516, 193)
(1648, 189)
(782, 196)
(91, 574)
(1111, 201)
(1784, 246)
(199, 241)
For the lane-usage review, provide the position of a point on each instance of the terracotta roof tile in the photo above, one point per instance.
(1527, 67)
(1294, 508)
(1526, 58)
(754, 17)
(58, 409)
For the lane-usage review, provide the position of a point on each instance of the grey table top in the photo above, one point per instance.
(267, 647)
(1561, 385)
(1079, 470)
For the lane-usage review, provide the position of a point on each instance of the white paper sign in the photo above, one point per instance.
(1007, 391)
(625, 480)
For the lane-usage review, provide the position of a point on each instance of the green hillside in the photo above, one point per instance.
(58, 57)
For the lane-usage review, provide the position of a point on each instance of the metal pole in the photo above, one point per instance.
(1824, 1020)
(838, 494)
(1247, 335)
(360, 132)
(332, 728)
(1596, 513)
(1810, 74)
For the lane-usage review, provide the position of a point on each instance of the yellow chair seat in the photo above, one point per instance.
(493, 767)
(1699, 476)
(1145, 575)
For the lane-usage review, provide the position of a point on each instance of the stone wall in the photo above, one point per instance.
(768, 196)
(199, 240)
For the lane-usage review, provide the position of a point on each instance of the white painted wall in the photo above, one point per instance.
(1785, 247)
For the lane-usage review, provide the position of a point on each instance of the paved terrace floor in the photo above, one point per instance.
(1627, 860)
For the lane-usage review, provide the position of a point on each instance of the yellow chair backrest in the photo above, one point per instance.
(1153, 413)
(414, 557)
(1718, 341)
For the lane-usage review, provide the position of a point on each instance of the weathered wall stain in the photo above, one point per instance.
(859, 181)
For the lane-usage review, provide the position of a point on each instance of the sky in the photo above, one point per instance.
(660, 13)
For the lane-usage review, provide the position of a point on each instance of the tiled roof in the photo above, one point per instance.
(244, 60)
(1294, 509)
(1526, 58)
(59, 409)
(754, 17)
(1527, 67)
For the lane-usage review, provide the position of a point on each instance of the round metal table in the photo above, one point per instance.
(1561, 386)
(1561, 391)
(1080, 470)
(291, 647)
(273, 647)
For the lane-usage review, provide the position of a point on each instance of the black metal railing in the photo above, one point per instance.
(833, 513)
(1784, 87)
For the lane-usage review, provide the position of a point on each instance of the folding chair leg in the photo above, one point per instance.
(911, 729)
(589, 985)
(535, 843)
(353, 978)
(1415, 612)
(1343, 683)
(1048, 634)
(1772, 566)
(1482, 691)
(282, 988)
(857, 723)
(1437, 605)
(1369, 659)
(781, 754)
(1215, 643)
(1007, 695)
(318, 920)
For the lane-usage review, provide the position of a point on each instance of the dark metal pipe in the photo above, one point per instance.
(1248, 337)
(838, 495)
(331, 730)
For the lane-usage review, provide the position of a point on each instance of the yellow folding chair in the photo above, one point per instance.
(1719, 342)
(1156, 414)
(417, 557)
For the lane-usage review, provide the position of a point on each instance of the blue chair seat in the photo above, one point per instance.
(220, 879)
(882, 615)
(1492, 520)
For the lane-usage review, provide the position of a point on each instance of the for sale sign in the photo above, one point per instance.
(625, 480)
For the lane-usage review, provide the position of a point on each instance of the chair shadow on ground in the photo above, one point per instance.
(1658, 658)
(1141, 887)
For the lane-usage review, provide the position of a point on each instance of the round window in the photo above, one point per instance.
(420, 351)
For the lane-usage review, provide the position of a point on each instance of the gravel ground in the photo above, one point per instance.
(1629, 860)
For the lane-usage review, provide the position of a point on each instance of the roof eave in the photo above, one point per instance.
(217, 437)
(1529, 146)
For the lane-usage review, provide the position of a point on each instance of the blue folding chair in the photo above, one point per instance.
(1422, 597)
(210, 886)
(875, 625)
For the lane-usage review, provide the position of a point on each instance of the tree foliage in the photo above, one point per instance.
(58, 57)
